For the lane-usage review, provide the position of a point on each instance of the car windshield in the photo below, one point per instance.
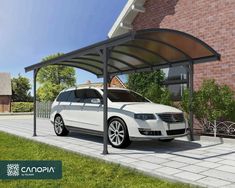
(116, 95)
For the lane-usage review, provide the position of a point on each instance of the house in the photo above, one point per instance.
(5, 92)
(114, 82)
(212, 21)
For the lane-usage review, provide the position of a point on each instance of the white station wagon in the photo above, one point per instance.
(130, 116)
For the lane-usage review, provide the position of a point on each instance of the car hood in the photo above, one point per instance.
(142, 107)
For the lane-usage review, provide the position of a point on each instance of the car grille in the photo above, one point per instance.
(172, 118)
(175, 132)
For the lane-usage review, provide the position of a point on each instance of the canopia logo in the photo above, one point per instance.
(13, 170)
(38, 169)
(17, 169)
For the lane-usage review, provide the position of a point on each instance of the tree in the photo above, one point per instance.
(20, 89)
(54, 78)
(150, 85)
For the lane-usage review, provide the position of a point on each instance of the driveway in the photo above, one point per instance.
(204, 163)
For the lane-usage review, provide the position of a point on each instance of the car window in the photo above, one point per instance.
(116, 95)
(63, 97)
(72, 97)
(80, 95)
(91, 94)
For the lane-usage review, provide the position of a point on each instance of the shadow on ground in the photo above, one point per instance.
(156, 146)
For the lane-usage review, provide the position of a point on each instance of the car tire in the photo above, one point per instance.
(167, 140)
(59, 127)
(118, 134)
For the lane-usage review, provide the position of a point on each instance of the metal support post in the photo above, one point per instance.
(191, 71)
(35, 101)
(105, 58)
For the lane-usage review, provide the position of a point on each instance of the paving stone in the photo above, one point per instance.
(185, 160)
(146, 165)
(168, 170)
(194, 151)
(228, 157)
(190, 155)
(213, 159)
(135, 155)
(219, 151)
(126, 160)
(214, 182)
(154, 159)
(226, 168)
(228, 186)
(208, 164)
(174, 164)
(227, 176)
(164, 155)
(194, 168)
(189, 176)
(227, 162)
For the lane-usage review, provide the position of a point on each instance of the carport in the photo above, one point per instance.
(136, 51)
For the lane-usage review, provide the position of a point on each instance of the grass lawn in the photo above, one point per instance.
(78, 171)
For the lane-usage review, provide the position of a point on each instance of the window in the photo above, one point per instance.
(176, 81)
(72, 97)
(91, 94)
(125, 96)
(80, 95)
(63, 97)
(176, 91)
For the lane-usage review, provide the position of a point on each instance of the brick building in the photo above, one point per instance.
(212, 21)
(5, 92)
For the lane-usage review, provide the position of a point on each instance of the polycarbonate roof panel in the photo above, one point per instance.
(185, 44)
(143, 50)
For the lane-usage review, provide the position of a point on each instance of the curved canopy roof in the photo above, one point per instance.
(138, 51)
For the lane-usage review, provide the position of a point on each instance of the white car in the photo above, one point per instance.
(130, 116)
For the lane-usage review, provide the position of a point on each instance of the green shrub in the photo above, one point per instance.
(150, 85)
(22, 106)
(158, 94)
(211, 102)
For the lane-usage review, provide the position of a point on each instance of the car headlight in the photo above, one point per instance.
(144, 116)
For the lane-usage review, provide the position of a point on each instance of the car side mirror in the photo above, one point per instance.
(96, 101)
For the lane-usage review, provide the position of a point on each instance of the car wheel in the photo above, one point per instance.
(59, 127)
(118, 134)
(167, 140)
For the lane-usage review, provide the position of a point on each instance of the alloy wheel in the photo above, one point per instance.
(59, 125)
(116, 133)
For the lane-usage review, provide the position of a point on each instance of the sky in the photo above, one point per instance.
(33, 29)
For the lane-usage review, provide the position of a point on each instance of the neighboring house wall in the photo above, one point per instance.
(5, 104)
(212, 21)
(115, 82)
(5, 92)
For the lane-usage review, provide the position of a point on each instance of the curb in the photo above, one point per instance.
(16, 114)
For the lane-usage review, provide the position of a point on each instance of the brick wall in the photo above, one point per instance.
(5, 104)
(213, 21)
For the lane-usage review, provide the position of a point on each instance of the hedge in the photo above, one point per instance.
(22, 106)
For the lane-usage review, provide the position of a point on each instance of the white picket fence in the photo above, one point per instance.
(43, 109)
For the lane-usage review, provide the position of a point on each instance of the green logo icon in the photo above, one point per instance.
(30, 169)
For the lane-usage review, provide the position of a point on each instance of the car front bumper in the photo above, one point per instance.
(142, 138)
